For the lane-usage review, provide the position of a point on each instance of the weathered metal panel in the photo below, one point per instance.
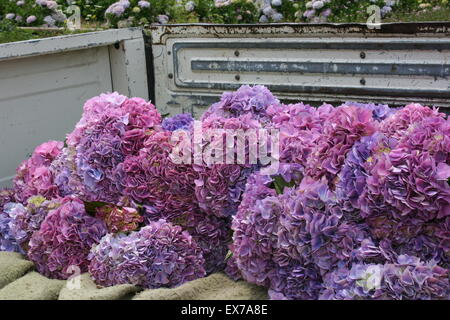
(396, 64)
(44, 84)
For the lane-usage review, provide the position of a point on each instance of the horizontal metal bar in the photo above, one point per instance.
(422, 93)
(160, 33)
(434, 70)
(365, 44)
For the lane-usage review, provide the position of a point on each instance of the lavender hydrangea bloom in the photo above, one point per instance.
(98, 154)
(179, 121)
(159, 255)
(64, 240)
(408, 278)
(64, 170)
(352, 178)
(7, 239)
(246, 100)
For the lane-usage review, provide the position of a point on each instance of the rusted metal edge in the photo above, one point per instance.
(29, 48)
(161, 32)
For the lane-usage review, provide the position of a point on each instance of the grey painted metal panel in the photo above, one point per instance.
(397, 64)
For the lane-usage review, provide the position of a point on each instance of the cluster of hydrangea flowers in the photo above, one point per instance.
(300, 126)
(112, 127)
(253, 100)
(406, 196)
(25, 220)
(181, 121)
(220, 184)
(212, 234)
(62, 244)
(44, 13)
(34, 176)
(317, 10)
(7, 240)
(152, 178)
(400, 122)
(354, 173)
(159, 255)
(383, 206)
(345, 126)
(408, 278)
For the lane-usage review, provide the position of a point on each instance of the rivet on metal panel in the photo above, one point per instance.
(169, 53)
(237, 53)
(362, 55)
(170, 75)
(117, 45)
(363, 81)
(237, 77)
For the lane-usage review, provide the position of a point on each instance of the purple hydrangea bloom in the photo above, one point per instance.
(300, 127)
(352, 178)
(7, 240)
(246, 100)
(408, 278)
(34, 176)
(219, 187)
(152, 178)
(64, 240)
(159, 255)
(112, 127)
(397, 125)
(28, 219)
(179, 121)
(345, 126)
(406, 197)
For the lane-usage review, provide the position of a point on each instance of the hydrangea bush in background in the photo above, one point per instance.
(31, 13)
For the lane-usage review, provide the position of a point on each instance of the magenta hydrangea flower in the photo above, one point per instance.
(34, 176)
(380, 112)
(406, 197)
(300, 127)
(112, 127)
(219, 187)
(345, 126)
(246, 100)
(63, 242)
(159, 255)
(396, 125)
(152, 178)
